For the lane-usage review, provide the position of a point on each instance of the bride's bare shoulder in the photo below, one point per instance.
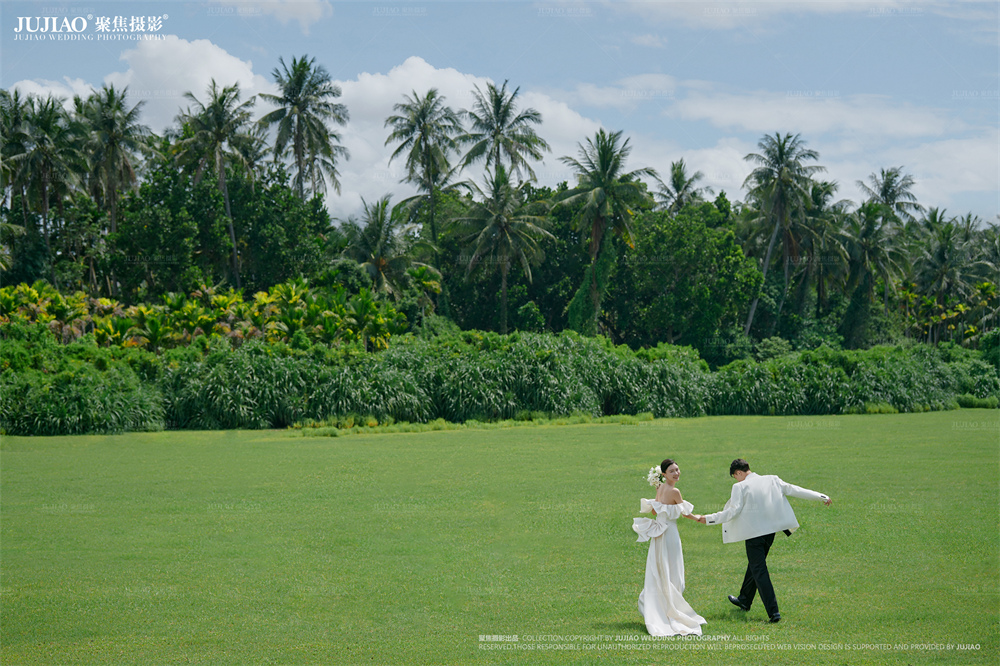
(667, 495)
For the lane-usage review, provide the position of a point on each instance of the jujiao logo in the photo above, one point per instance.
(46, 24)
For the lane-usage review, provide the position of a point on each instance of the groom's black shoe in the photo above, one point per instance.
(775, 618)
(736, 602)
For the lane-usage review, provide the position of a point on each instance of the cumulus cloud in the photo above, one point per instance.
(160, 72)
(64, 89)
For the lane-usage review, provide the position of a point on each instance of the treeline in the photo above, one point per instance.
(228, 202)
(47, 388)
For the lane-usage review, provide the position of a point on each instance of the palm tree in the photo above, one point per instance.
(681, 190)
(946, 268)
(891, 188)
(505, 229)
(305, 106)
(605, 192)
(872, 255)
(498, 130)
(823, 253)
(114, 136)
(425, 129)
(379, 246)
(779, 184)
(52, 162)
(14, 139)
(217, 131)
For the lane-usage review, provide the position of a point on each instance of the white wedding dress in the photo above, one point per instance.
(661, 601)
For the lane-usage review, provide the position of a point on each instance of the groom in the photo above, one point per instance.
(757, 508)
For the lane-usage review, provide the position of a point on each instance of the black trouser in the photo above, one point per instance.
(757, 578)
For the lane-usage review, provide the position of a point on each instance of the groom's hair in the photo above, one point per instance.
(738, 465)
(665, 464)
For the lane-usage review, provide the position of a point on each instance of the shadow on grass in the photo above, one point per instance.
(727, 615)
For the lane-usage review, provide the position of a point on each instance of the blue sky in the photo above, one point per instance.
(868, 84)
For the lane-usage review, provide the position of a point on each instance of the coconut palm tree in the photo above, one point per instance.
(947, 267)
(872, 255)
(14, 139)
(380, 246)
(779, 184)
(892, 188)
(426, 129)
(823, 256)
(681, 190)
(605, 193)
(216, 132)
(504, 229)
(52, 162)
(305, 107)
(114, 137)
(498, 130)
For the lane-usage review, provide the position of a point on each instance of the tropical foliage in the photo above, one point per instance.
(182, 249)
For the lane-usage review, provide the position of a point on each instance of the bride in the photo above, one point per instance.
(661, 602)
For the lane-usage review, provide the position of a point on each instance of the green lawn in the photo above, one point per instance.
(270, 547)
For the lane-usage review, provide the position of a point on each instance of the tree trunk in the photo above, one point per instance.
(595, 294)
(232, 231)
(767, 262)
(113, 202)
(503, 298)
(596, 240)
(784, 295)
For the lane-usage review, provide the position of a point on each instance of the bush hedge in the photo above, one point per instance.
(48, 388)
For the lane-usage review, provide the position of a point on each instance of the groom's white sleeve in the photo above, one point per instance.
(730, 511)
(802, 493)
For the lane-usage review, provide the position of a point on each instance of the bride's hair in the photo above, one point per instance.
(665, 464)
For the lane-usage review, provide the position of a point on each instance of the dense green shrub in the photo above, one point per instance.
(78, 401)
(972, 402)
(50, 388)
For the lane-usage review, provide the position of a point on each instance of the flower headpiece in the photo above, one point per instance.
(654, 477)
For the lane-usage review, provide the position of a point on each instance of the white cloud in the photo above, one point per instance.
(160, 72)
(945, 169)
(65, 89)
(813, 112)
(650, 40)
(306, 12)
(625, 95)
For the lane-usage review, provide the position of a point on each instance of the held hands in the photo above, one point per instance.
(697, 517)
(828, 501)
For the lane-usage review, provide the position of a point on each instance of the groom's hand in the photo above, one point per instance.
(827, 501)
(701, 519)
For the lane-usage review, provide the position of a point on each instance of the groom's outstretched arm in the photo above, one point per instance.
(791, 490)
(730, 511)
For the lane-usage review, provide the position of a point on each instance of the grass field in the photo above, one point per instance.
(268, 547)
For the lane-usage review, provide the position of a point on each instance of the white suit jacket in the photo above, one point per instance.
(758, 506)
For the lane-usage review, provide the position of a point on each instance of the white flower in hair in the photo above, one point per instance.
(654, 477)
